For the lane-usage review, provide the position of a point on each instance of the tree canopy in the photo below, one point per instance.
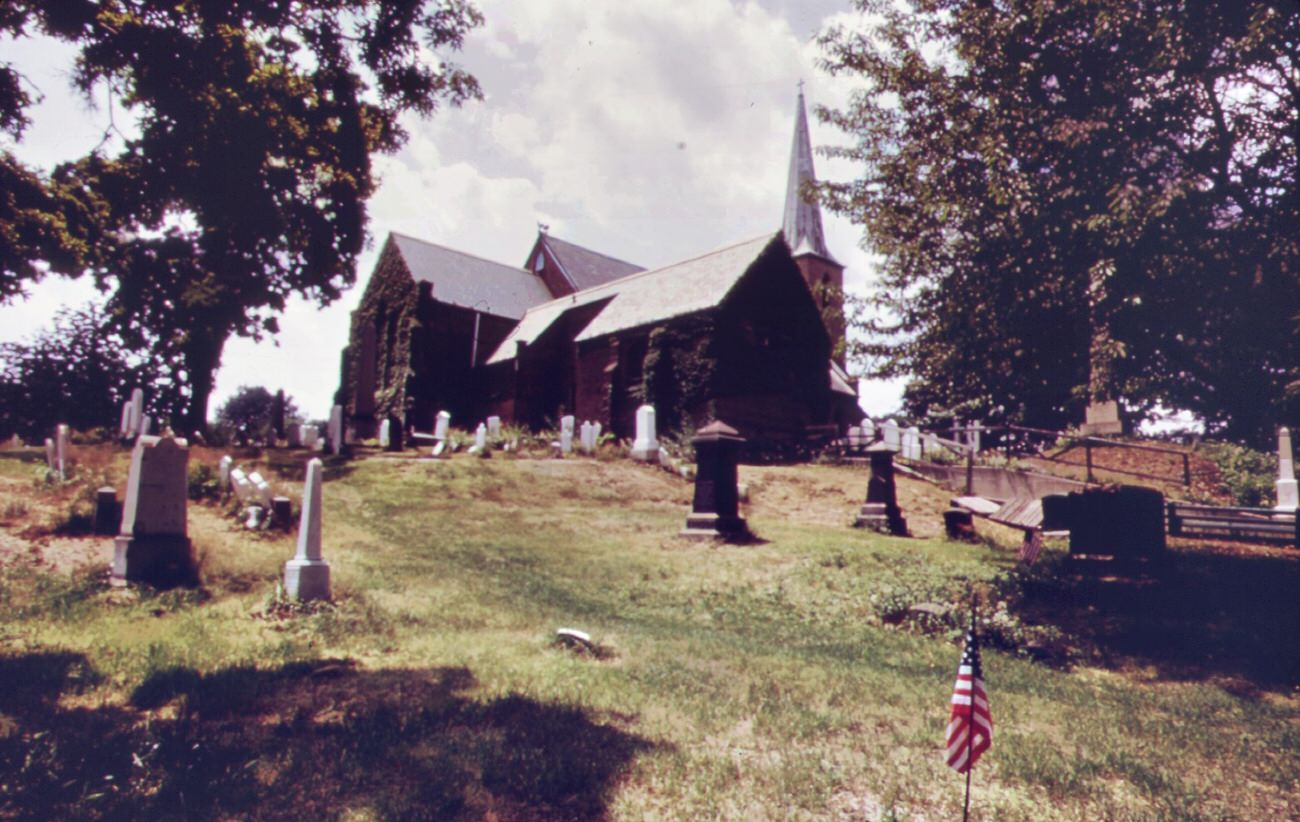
(254, 414)
(1078, 197)
(245, 175)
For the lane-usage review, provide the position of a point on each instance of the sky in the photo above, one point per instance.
(649, 130)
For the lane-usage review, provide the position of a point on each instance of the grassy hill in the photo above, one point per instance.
(787, 678)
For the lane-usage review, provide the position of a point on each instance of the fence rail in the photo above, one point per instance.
(1248, 524)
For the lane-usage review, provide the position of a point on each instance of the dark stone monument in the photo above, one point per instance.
(277, 415)
(715, 507)
(1126, 522)
(281, 513)
(107, 512)
(394, 433)
(881, 512)
(959, 524)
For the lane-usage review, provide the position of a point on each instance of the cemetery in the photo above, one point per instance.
(594, 630)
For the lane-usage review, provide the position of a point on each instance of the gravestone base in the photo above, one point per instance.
(1288, 495)
(878, 517)
(645, 453)
(307, 579)
(163, 560)
(713, 526)
(959, 524)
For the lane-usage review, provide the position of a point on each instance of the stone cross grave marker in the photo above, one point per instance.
(1288, 495)
(153, 544)
(307, 575)
(646, 446)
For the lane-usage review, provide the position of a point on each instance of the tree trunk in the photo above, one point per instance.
(202, 356)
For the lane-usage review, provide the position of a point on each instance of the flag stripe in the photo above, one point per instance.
(970, 724)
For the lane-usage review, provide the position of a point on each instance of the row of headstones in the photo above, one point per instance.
(134, 422)
(911, 443)
(153, 543)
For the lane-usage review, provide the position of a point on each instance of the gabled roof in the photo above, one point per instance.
(802, 225)
(583, 267)
(645, 297)
(471, 282)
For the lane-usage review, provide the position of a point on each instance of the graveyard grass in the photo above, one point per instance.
(777, 679)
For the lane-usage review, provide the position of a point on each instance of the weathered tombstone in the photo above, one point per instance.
(336, 430)
(856, 438)
(223, 473)
(243, 488)
(51, 455)
(881, 512)
(281, 512)
(494, 427)
(585, 438)
(1102, 419)
(307, 575)
(715, 510)
(442, 425)
(152, 544)
(310, 436)
(566, 434)
(124, 428)
(293, 436)
(394, 432)
(869, 431)
(892, 437)
(959, 524)
(479, 448)
(1288, 496)
(137, 411)
(646, 446)
(384, 436)
(107, 512)
(1125, 522)
(261, 489)
(912, 443)
(439, 449)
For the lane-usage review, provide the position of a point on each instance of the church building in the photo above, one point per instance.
(751, 333)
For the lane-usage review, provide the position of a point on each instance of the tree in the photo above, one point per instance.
(246, 176)
(1079, 198)
(78, 372)
(250, 414)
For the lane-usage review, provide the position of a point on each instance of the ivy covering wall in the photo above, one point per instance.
(389, 307)
(678, 370)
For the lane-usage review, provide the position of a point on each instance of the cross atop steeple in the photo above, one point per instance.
(803, 220)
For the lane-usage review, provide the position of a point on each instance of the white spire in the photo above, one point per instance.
(803, 221)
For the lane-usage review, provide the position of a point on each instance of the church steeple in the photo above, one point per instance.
(803, 220)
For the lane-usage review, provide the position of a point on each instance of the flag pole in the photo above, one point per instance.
(970, 732)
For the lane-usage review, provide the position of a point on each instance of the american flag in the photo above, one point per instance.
(969, 732)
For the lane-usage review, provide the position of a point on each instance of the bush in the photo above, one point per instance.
(203, 482)
(1244, 473)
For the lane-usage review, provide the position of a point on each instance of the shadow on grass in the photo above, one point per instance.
(307, 740)
(1196, 615)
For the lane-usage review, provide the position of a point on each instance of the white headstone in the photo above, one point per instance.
(307, 575)
(62, 447)
(892, 436)
(585, 438)
(494, 427)
(646, 445)
(261, 490)
(480, 437)
(223, 472)
(975, 436)
(566, 433)
(124, 427)
(336, 429)
(51, 454)
(153, 540)
(384, 436)
(1288, 494)
(595, 435)
(137, 411)
(240, 482)
(869, 430)
(912, 443)
(442, 425)
(439, 449)
(146, 425)
(308, 435)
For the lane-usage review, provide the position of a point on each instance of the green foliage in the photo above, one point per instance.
(79, 371)
(1045, 180)
(249, 415)
(678, 370)
(1246, 474)
(246, 177)
(202, 482)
